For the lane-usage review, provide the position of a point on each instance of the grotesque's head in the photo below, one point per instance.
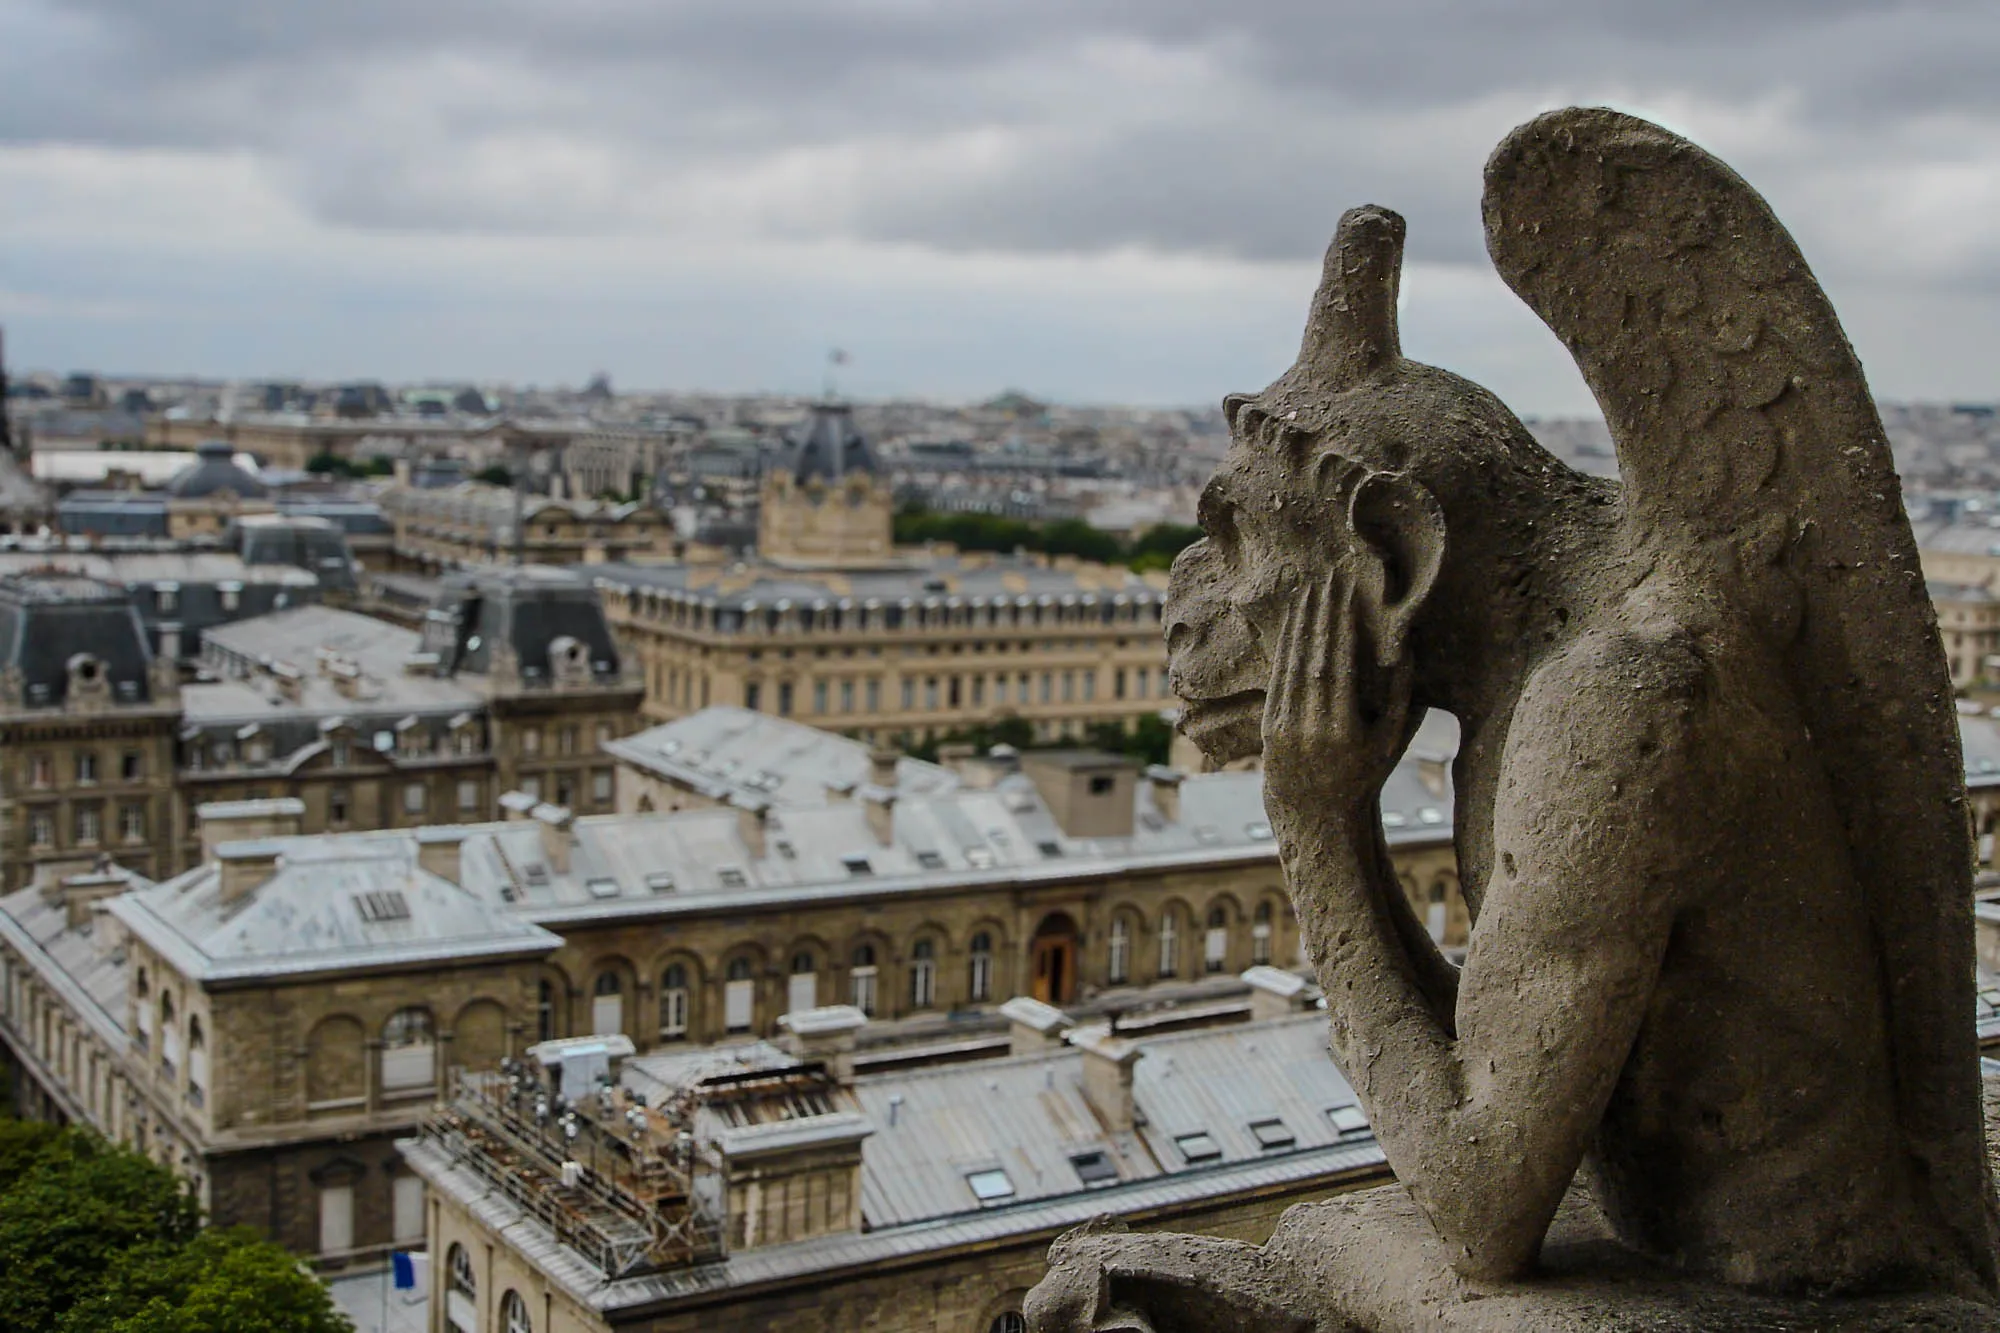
(1350, 469)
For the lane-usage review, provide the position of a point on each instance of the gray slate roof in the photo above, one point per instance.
(728, 753)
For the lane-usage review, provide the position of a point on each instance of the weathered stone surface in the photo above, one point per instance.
(1716, 1006)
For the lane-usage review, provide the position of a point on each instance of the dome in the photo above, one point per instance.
(214, 471)
(828, 447)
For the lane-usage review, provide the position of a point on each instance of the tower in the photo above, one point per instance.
(824, 503)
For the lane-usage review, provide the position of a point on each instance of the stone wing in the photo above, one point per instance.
(1748, 442)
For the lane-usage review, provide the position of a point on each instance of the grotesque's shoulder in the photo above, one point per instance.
(1633, 684)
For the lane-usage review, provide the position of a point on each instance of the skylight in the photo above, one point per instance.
(1347, 1120)
(1198, 1147)
(857, 865)
(660, 882)
(1272, 1135)
(990, 1186)
(731, 877)
(602, 887)
(1094, 1168)
(382, 905)
(930, 860)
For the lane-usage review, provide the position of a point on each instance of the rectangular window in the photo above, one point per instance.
(1140, 679)
(415, 797)
(752, 693)
(846, 696)
(1215, 948)
(566, 741)
(131, 766)
(819, 696)
(874, 696)
(738, 999)
(1048, 686)
(86, 768)
(784, 698)
(909, 695)
(168, 597)
(336, 1219)
(42, 828)
(132, 823)
(1118, 683)
(978, 691)
(801, 992)
(336, 805)
(603, 733)
(531, 740)
(531, 785)
(342, 753)
(565, 789)
(232, 595)
(89, 824)
(600, 786)
(41, 771)
(999, 689)
(1089, 686)
(407, 1212)
(468, 795)
(861, 989)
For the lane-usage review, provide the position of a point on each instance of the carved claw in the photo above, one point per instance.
(1104, 1279)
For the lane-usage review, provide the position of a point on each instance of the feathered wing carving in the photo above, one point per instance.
(1748, 441)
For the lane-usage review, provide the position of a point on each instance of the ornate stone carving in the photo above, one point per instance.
(1714, 1021)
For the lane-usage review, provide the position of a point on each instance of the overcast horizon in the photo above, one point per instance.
(1118, 202)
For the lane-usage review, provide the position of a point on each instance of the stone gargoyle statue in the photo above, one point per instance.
(1709, 1061)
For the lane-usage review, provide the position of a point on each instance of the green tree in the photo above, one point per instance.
(497, 475)
(96, 1238)
(78, 1206)
(222, 1279)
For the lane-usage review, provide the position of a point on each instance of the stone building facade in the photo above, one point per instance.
(473, 523)
(87, 731)
(330, 982)
(832, 626)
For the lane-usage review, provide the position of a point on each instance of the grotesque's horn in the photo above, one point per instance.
(1351, 331)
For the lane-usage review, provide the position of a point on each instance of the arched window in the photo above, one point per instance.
(1434, 913)
(923, 974)
(1260, 934)
(1012, 1321)
(409, 1051)
(1215, 943)
(1170, 944)
(861, 980)
(545, 1010)
(142, 993)
(982, 967)
(197, 1086)
(674, 1002)
(170, 1037)
(1119, 970)
(739, 996)
(461, 1295)
(514, 1314)
(802, 987)
(607, 1005)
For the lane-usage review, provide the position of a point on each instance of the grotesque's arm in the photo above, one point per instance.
(1485, 1124)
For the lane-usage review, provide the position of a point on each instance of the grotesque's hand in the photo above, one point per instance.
(1329, 742)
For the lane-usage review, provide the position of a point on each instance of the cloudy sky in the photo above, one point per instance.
(1095, 200)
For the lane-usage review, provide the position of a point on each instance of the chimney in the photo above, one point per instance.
(752, 819)
(517, 805)
(1165, 783)
(437, 851)
(246, 866)
(882, 766)
(826, 1034)
(1090, 793)
(878, 797)
(237, 821)
(792, 1179)
(1276, 993)
(1434, 771)
(289, 681)
(558, 835)
(1033, 1027)
(1107, 1076)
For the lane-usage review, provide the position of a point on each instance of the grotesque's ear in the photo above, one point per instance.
(1400, 539)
